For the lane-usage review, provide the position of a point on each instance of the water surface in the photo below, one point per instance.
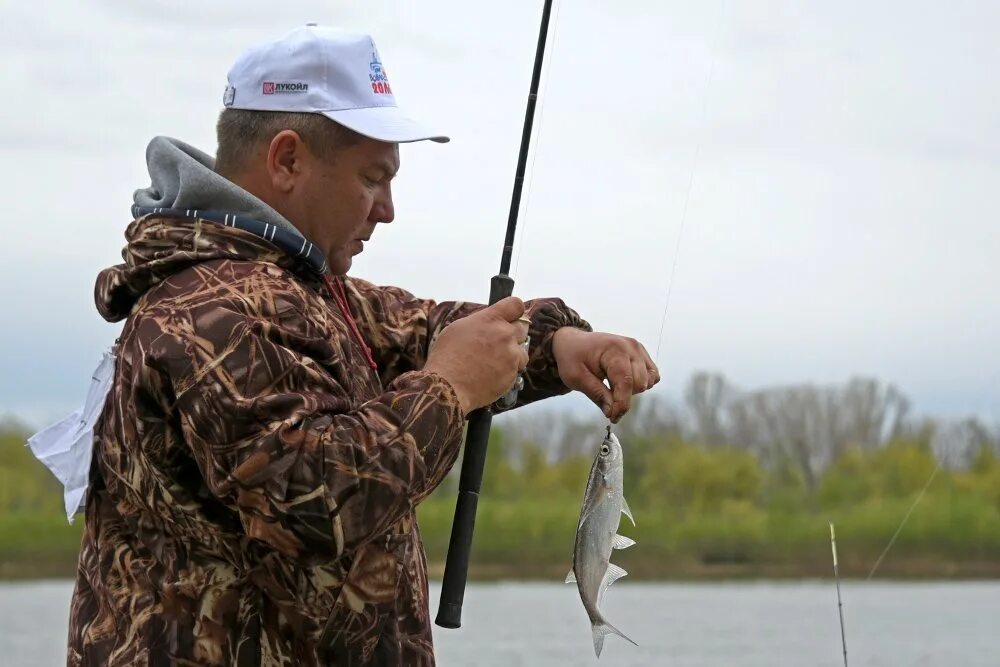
(733, 624)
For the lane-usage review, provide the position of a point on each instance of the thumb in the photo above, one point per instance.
(592, 387)
(509, 308)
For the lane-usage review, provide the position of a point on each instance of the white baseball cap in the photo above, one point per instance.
(314, 69)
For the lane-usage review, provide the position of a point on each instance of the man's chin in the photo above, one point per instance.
(340, 264)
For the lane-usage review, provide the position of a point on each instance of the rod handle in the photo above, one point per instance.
(456, 567)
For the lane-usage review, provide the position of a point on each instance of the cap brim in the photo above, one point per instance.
(385, 124)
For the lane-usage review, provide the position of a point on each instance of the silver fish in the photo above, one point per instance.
(596, 536)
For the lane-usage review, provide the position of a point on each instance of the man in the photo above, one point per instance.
(272, 425)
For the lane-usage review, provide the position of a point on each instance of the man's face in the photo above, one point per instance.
(342, 199)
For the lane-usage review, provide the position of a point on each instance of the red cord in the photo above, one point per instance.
(336, 287)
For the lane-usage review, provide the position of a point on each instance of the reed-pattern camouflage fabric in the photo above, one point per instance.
(254, 477)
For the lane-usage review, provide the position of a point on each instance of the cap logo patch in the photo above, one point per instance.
(379, 80)
(272, 88)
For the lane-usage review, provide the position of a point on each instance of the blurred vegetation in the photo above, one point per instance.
(729, 484)
(35, 538)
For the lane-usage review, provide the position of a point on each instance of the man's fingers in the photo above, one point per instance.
(594, 389)
(652, 372)
(623, 362)
(509, 308)
(640, 376)
(622, 382)
(522, 361)
(522, 330)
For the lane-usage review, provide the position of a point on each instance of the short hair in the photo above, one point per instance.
(240, 131)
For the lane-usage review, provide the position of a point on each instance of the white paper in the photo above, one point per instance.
(67, 446)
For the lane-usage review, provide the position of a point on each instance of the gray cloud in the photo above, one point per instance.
(840, 219)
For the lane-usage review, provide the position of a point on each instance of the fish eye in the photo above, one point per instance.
(604, 450)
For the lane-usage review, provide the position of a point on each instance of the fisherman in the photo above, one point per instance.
(272, 424)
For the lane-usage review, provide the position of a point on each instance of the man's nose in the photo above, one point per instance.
(383, 210)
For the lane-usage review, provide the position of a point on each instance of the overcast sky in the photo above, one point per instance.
(844, 162)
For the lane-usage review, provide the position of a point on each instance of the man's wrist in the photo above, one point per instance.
(561, 335)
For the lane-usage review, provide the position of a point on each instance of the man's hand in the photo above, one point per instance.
(586, 359)
(480, 355)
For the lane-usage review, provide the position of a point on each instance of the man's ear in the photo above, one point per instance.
(285, 160)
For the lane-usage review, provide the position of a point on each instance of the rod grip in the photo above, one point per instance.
(477, 436)
(456, 568)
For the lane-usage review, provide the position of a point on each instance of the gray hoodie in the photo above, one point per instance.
(184, 177)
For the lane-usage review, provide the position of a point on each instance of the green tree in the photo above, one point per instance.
(898, 470)
(686, 477)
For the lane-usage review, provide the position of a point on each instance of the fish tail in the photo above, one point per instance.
(601, 629)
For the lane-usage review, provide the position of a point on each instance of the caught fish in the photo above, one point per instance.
(597, 535)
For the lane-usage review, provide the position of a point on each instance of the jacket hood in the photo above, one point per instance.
(190, 214)
(183, 177)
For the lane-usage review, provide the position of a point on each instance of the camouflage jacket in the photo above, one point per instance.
(257, 464)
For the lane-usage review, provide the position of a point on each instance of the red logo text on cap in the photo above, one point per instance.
(380, 82)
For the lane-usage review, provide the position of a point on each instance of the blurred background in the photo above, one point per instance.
(814, 185)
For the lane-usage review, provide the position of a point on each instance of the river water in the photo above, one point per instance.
(732, 624)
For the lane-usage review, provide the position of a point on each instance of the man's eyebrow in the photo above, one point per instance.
(387, 167)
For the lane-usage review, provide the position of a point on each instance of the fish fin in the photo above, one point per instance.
(622, 542)
(626, 511)
(570, 577)
(613, 574)
(596, 631)
(602, 629)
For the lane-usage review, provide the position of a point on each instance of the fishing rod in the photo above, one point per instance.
(840, 605)
(456, 569)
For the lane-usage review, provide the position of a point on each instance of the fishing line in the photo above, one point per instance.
(694, 167)
(903, 522)
(550, 54)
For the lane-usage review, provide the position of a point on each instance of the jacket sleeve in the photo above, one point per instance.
(264, 410)
(400, 328)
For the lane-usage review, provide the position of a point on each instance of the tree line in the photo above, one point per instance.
(724, 481)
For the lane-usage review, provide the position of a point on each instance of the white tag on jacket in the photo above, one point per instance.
(67, 446)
